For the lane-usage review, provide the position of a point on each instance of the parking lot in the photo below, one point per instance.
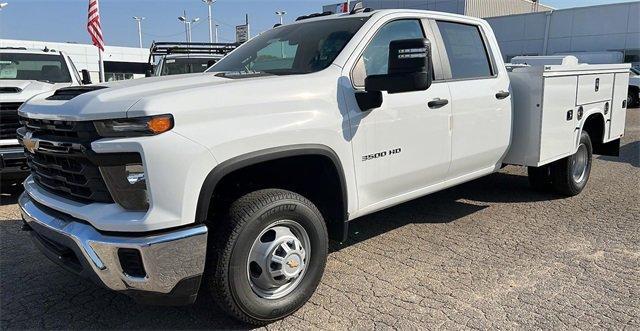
(487, 254)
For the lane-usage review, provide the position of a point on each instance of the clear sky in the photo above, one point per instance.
(65, 20)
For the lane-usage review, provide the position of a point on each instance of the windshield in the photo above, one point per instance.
(41, 67)
(635, 70)
(186, 65)
(292, 49)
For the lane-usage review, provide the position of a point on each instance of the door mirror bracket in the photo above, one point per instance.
(368, 100)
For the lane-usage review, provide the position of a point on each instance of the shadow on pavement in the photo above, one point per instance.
(629, 153)
(118, 311)
(445, 206)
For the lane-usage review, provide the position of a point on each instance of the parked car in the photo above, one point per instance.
(237, 177)
(25, 73)
(633, 98)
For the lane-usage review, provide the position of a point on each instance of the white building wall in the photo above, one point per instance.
(490, 8)
(477, 8)
(613, 27)
(86, 56)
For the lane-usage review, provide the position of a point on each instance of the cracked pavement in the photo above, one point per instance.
(487, 254)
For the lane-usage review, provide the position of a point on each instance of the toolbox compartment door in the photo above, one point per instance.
(594, 88)
(559, 118)
(618, 113)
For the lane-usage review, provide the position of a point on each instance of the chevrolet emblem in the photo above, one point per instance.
(293, 263)
(30, 144)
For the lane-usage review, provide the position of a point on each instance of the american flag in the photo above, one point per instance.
(93, 25)
(342, 7)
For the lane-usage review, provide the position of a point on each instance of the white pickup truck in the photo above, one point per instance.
(237, 177)
(23, 74)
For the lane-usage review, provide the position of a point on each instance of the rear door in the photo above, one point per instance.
(480, 100)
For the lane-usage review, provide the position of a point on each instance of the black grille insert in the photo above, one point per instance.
(9, 120)
(62, 162)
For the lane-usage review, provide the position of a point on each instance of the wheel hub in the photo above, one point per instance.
(579, 163)
(278, 259)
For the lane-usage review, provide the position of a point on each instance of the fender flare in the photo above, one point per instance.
(270, 154)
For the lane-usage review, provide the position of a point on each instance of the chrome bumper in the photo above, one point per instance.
(173, 261)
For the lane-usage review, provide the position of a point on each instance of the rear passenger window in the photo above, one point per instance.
(466, 50)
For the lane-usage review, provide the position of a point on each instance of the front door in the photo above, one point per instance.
(404, 145)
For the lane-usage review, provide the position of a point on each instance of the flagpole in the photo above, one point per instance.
(101, 66)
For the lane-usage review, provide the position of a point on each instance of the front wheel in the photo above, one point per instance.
(270, 254)
(571, 174)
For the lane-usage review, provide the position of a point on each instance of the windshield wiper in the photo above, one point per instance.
(242, 74)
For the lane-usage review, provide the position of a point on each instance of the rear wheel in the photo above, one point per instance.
(571, 174)
(270, 255)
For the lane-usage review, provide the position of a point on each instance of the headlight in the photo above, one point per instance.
(137, 126)
(127, 185)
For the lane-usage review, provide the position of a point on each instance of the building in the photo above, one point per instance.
(476, 8)
(119, 62)
(612, 27)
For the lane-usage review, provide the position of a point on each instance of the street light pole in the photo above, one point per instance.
(216, 35)
(187, 24)
(281, 13)
(209, 3)
(139, 20)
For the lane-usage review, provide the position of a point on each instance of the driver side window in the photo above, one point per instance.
(375, 58)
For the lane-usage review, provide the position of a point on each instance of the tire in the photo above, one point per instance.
(571, 174)
(540, 178)
(633, 98)
(254, 222)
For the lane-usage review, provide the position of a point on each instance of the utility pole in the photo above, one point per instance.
(209, 3)
(246, 20)
(139, 19)
(281, 13)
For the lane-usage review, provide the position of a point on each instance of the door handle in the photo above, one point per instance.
(502, 95)
(438, 103)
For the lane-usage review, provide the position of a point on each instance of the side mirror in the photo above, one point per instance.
(86, 77)
(409, 68)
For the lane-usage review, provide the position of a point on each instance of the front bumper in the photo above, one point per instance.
(172, 263)
(13, 163)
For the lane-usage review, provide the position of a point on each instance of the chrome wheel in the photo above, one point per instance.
(278, 259)
(579, 163)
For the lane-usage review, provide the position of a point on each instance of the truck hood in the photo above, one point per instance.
(22, 90)
(116, 98)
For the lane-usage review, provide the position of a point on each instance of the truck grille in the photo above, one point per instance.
(61, 164)
(9, 120)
